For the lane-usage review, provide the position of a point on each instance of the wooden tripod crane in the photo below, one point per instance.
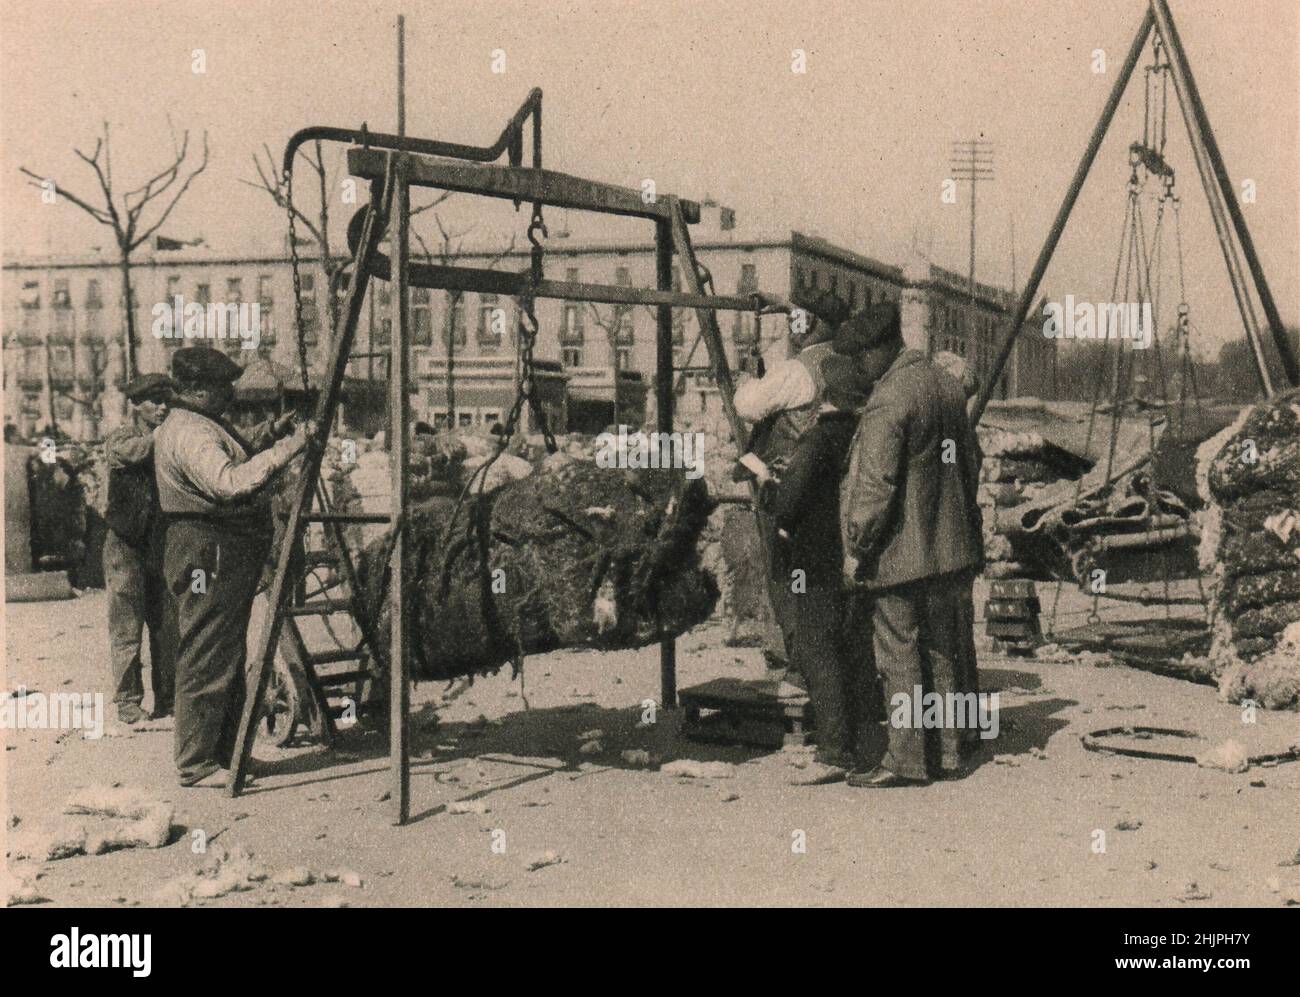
(1224, 209)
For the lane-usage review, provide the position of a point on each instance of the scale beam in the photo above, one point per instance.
(518, 184)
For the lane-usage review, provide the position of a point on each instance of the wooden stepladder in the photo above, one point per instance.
(282, 606)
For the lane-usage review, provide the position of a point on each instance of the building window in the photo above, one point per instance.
(571, 356)
(203, 293)
(94, 297)
(173, 288)
(748, 278)
(455, 322)
(31, 296)
(625, 331)
(310, 320)
(62, 296)
(623, 358)
(234, 290)
(623, 277)
(743, 330)
(571, 329)
(264, 296)
(491, 321)
(421, 318)
(307, 281)
(464, 419)
(491, 417)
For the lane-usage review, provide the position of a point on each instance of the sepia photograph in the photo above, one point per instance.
(627, 454)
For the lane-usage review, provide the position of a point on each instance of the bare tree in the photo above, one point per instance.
(610, 322)
(126, 219)
(272, 181)
(96, 371)
(449, 248)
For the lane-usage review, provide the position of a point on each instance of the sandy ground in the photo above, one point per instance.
(1018, 829)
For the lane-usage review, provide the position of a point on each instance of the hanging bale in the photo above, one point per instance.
(571, 556)
(1250, 477)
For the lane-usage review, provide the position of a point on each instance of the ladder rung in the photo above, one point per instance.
(342, 678)
(321, 607)
(330, 657)
(349, 517)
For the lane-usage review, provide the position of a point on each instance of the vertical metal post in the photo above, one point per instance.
(399, 694)
(664, 408)
(401, 74)
(1062, 216)
(974, 185)
(1214, 172)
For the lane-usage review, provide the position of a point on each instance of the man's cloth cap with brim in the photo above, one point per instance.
(869, 327)
(148, 386)
(824, 305)
(203, 365)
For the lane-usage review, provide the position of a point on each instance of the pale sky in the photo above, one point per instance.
(698, 96)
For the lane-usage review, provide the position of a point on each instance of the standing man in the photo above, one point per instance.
(133, 570)
(912, 539)
(804, 503)
(212, 486)
(782, 404)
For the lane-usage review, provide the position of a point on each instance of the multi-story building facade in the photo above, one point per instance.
(64, 322)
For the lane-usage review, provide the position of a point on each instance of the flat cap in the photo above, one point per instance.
(825, 305)
(869, 327)
(204, 365)
(846, 385)
(149, 385)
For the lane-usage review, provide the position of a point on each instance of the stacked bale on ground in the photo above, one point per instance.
(1250, 475)
(571, 556)
(1017, 467)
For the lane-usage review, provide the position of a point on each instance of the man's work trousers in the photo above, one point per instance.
(778, 621)
(924, 642)
(838, 683)
(213, 570)
(138, 599)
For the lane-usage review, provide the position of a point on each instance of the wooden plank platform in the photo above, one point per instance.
(745, 711)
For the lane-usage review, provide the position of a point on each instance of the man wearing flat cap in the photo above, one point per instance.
(912, 537)
(213, 489)
(133, 568)
(782, 404)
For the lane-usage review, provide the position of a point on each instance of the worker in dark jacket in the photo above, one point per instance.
(782, 403)
(913, 539)
(807, 560)
(137, 597)
(213, 489)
